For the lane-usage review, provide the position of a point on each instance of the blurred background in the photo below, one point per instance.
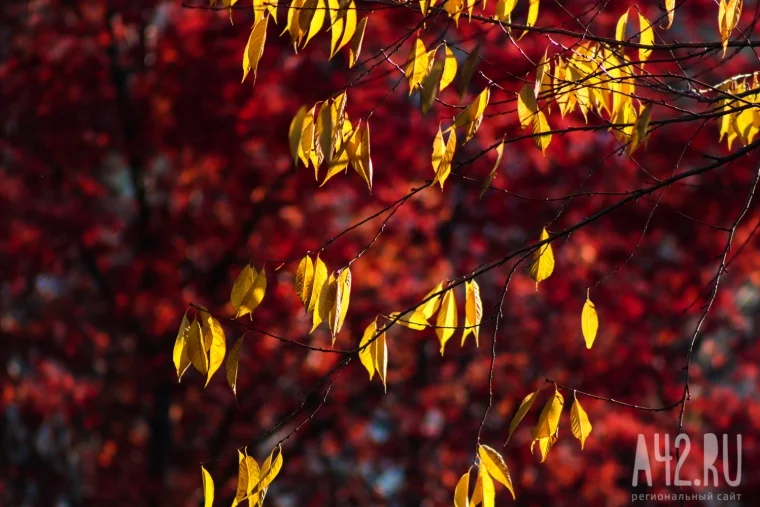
(137, 175)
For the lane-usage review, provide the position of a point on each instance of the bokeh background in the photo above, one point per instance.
(137, 175)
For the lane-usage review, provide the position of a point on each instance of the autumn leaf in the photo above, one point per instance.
(196, 348)
(233, 359)
(269, 469)
(472, 115)
(218, 345)
(525, 406)
(180, 355)
(320, 277)
(473, 311)
(548, 421)
(579, 423)
(504, 10)
(355, 46)
(543, 260)
(242, 285)
(487, 182)
(367, 356)
(526, 105)
(447, 318)
(314, 12)
(496, 467)
(449, 68)
(589, 322)
(380, 356)
(208, 488)
(304, 279)
(243, 486)
(255, 47)
(670, 6)
(485, 492)
(646, 38)
(342, 300)
(325, 302)
(544, 445)
(295, 131)
(417, 66)
(540, 126)
(254, 295)
(462, 491)
(413, 319)
(468, 70)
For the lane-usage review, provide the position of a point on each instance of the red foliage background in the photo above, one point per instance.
(138, 175)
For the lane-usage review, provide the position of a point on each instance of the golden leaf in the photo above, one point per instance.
(255, 47)
(233, 359)
(495, 466)
(429, 308)
(447, 318)
(355, 47)
(462, 491)
(417, 66)
(196, 348)
(548, 421)
(208, 488)
(380, 355)
(579, 423)
(543, 260)
(367, 356)
(218, 345)
(304, 279)
(449, 68)
(487, 182)
(320, 277)
(473, 311)
(525, 406)
(589, 323)
(242, 285)
(180, 355)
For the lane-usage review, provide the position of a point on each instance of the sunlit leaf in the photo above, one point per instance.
(504, 10)
(542, 265)
(380, 355)
(325, 302)
(196, 348)
(342, 300)
(646, 37)
(417, 66)
(429, 308)
(304, 279)
(548, 421)
(526, 105)
(218, 345)
(462, 491)
(670, 6)
(320, 277)
(255, 294)
(473, 311)
(468, 70)
(525, 406)
(208, 488)
(255, 47)
(495, 466)
(449, 68)
(242, 285)
(295, 131)
(367, 356)
(487, 182)
(414, 319)
(447, 318)
(589, 323)
(355, 47)
(579, 423)
(180, 355)
(233, 360)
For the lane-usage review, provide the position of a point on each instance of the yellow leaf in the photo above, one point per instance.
(350, 26)
(254, 475)
(526, 105)
(495, 466)
(320, 277)
(196, 348)
(449, 68)
(543, 260)
(242, 285)
(233, 359)
(532, 15)
(218, 345)
(355, 47)
(473, 311)
(504, 10)
(254, 295)
(462, 491)
(525, 405)
(417, 65)
(621, 25)
(484, 489)
(180, 355)
(313, 12)
(324, 133)
(487, 182)
(454, 9)
(448, 157)
(640, 129)
(472, 115)
(342, 300)
(243, 485)
(326, 301)
(293, 26)
(367, 356)
(380, 355)
(670, 6)
(447, 318)
(646, 38)
(439, 152)
(294, 133)
(429, 308)
(579, 423)
(548, 421)
(337, 23)
(269, 469)
(544, 446)
(364, 162)
(259, 7)
(255, 47)
(540, 125)
(589, 323)
(304, 279)
(468, 70)
(541, 73)
(414, 319)
(208, 488)
(307, 137)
